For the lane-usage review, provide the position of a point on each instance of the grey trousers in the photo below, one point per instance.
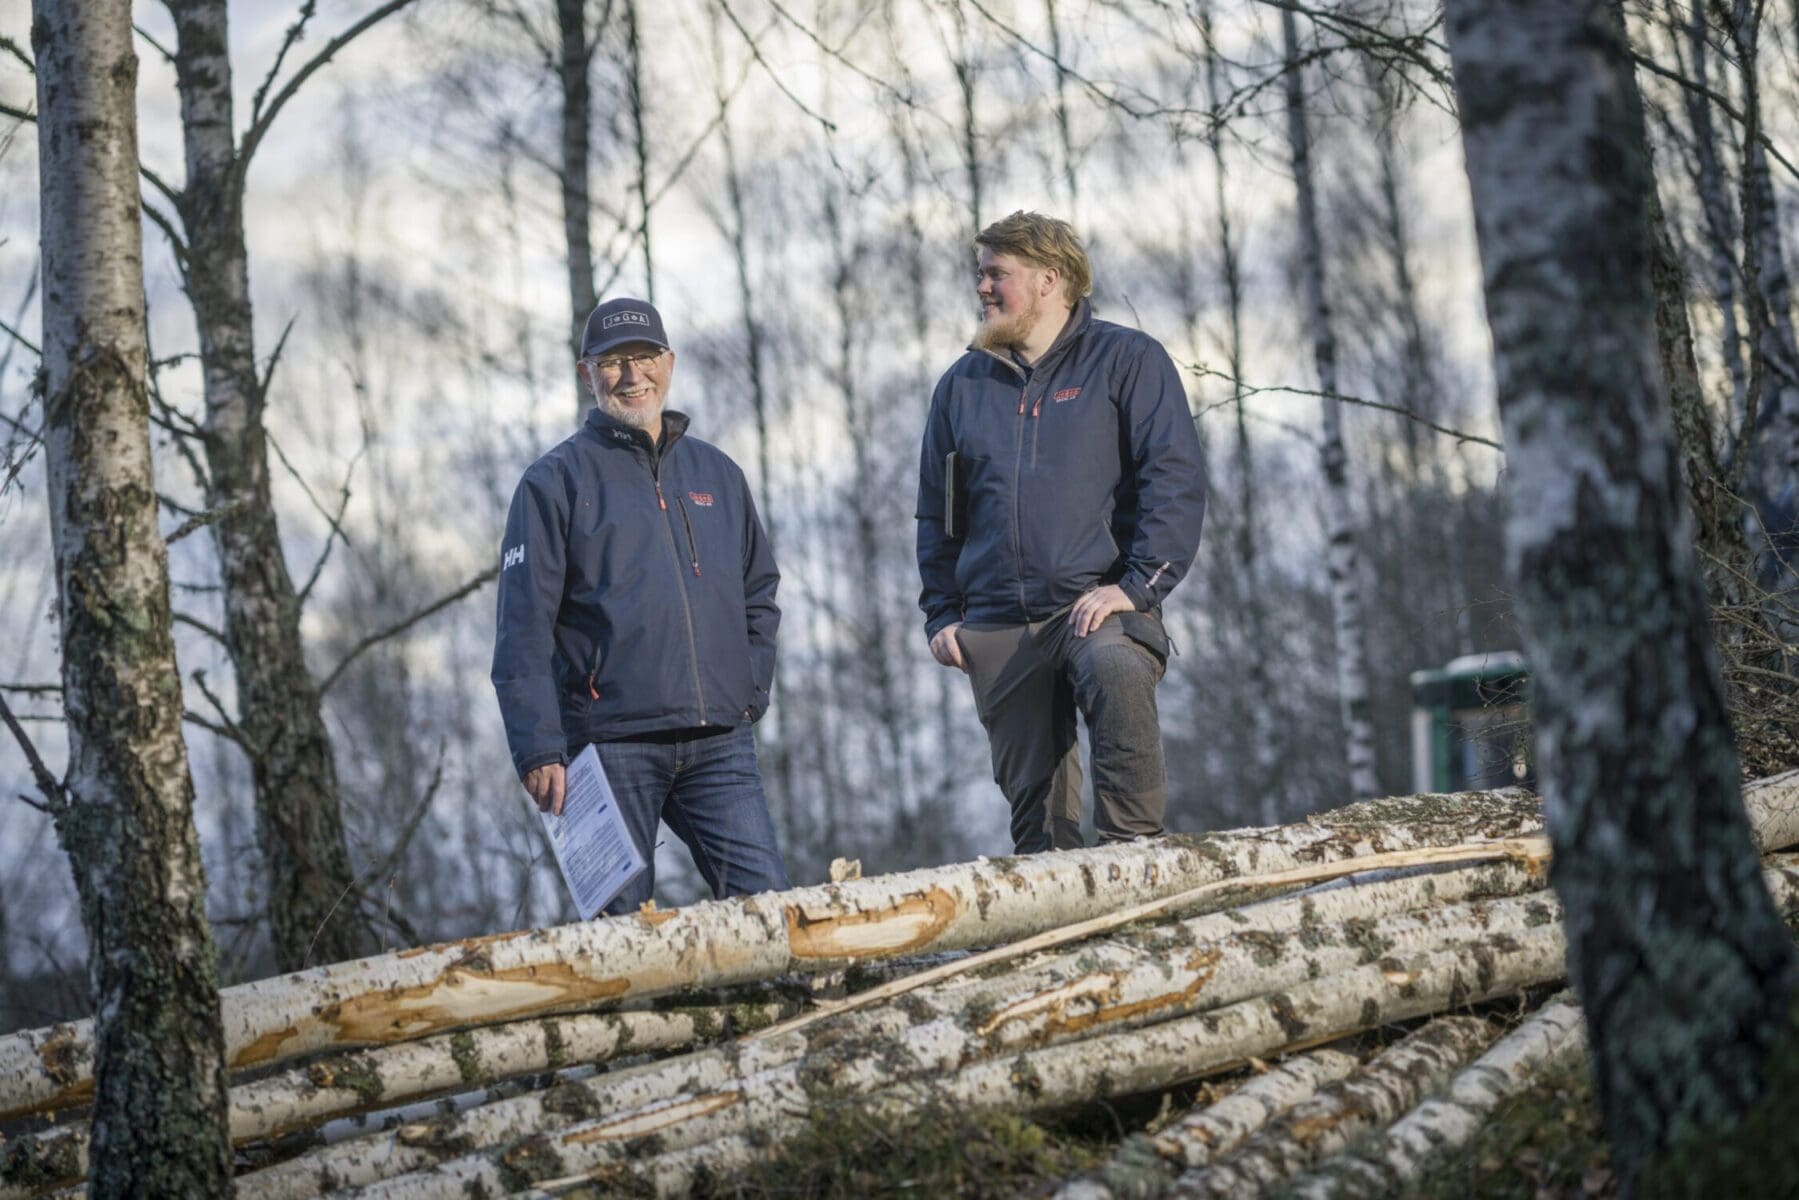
(1028, 681)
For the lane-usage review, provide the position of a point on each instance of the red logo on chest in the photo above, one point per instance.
(1067, 394)
(703, 499)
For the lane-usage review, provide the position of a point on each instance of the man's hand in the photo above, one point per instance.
(1094, 607)
(947, 650)
(546, 784)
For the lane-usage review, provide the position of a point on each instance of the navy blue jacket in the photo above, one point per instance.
(1084, 470)
(637, 593)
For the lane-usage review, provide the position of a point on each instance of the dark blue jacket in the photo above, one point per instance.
(637, 593)
(1082, 471)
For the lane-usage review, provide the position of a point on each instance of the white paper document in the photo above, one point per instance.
(593, 846)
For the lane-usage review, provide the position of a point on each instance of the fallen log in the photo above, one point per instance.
(610, 1150)
(351, 1083)
(1442, 1125)
(1375, 1093)
(415, 993)
(1144, 1165)
(1106, 986)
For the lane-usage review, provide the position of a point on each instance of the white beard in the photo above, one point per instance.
(636, 418)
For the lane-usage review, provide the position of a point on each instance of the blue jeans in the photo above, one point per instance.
(709, 790)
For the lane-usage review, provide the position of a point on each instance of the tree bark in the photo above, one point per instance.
(1098, 1068)
(314, 913)
(1376, 1093)
(1684, 970)
(152, 1064)
(1433, 1132)
(1344, 553)
(332, 1089)
(1145, 1165)
(577, 226)
(415, 993)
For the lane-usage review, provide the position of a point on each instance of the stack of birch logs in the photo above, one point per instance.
(1335, 977)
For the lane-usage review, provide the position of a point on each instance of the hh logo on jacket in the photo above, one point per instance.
(513, 557)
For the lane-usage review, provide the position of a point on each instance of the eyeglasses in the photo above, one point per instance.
(614, 365)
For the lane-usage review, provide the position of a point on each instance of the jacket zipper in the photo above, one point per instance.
(593, 693)
(693, 547)
(1017, 473)
(693, 645)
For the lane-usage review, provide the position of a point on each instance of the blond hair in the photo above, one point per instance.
(1044, 242)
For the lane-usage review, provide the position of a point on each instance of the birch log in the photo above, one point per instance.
(415, 993)
(1145, 1165)
(352, 1083)
(1444, 1124)
(1103, 988)
(1382, 1089)
(1096, 1068)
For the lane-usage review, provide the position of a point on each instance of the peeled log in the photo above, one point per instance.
(1105, 986)
(1383, 1088)
(414, 993)
(611, 1149)
(1444, 1124)
(1144, 1165)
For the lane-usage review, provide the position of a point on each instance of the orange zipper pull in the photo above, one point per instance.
(1037, 408)
(660, 502)
(1021, 399)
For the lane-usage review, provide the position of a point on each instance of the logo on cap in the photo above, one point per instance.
(624, 318)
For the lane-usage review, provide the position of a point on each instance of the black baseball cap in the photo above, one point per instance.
(620, 322)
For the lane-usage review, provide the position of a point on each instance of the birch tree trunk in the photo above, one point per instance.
(1098, 1068)
(314, 915)
(1684, 970)
(577, 226)
(1345, 556)
(155, 1057)
(1265, 781)
(1379, 1091)
(1434, 1131)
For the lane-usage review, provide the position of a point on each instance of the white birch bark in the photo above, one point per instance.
(332, 1088)
(1379, 1091)
(1144, 1165)
(1442, 1125)
(1685, 972)
(1347, 618)
(1099, 1068)
(124, 811)
(1116, 983)
(415, 993)
(1317, 1011)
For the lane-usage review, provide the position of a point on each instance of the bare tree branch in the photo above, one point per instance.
(225, 727)
(10, 330)
(260, 127)
(399, 627)
(336, 532)
(201, 520)
(54, 799)
(167, 55)
(1248, 390)
(1723, 102)
(294, 33)
(17, 51)
(192, 622)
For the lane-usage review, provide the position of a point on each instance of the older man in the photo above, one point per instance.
(1061, 491)
(637, 612)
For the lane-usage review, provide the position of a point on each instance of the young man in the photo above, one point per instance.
(1061, 491)
(637, 612)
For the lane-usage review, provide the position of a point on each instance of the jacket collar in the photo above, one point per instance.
(613, 431)
(1079, 317)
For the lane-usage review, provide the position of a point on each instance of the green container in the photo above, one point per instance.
(1470, 724)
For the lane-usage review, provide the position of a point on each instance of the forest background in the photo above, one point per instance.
(797, 189)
